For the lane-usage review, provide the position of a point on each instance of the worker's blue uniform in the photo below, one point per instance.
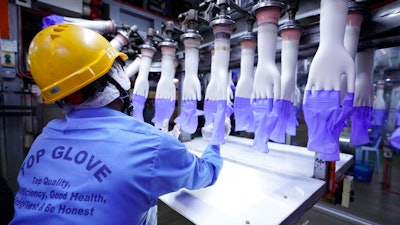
(99, 166)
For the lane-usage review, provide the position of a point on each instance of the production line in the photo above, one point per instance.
(277, 187)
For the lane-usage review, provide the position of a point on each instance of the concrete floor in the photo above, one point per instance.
(372, 204)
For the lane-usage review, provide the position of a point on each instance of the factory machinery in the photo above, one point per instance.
(224, 72)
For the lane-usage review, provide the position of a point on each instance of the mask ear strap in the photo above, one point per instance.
(60, 104)
(124, 95)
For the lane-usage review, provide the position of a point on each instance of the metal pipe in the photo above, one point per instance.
(102, 26)
(293, 6)
(341, 215)
(133, 68)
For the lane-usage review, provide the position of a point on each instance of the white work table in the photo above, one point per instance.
(254, 187)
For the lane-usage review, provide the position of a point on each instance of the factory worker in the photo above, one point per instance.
(98, 165)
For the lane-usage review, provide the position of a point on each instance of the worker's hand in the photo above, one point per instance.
(228, 126)
(207, 131)
(175, 132)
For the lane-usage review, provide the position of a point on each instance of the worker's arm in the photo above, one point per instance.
(175, 167)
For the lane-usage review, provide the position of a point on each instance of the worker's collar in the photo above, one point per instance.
(104, 111)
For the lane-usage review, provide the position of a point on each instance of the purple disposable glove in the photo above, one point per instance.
(360, 123)
(244, 118)
(321, 110)
(138, 102)
(378, 117)
(345, 112)
(398, 118)
(218, 133)
(283, 108)
(265, 120)
(329, 157)
(326, 119)
(52, 20)
(188, 119)
(210, 107)
(394, 139)
(163, 110)
(292, 122)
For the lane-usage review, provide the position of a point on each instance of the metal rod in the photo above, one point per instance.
(341, 215)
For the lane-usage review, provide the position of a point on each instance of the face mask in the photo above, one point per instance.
(117, 87)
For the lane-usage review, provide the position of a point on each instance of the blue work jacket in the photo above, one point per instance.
(100, 166)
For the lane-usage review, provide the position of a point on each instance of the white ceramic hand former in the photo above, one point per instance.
(379, 102)
(364, 89)
(142, 81)
(216, 89)
(327, 69)
(133, 68)
(244, 85)
(267, 80)
(166, 87)
(290, 49)
(352, 32)
(191, 88)
(332, 63)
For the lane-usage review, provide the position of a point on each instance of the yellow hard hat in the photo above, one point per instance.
(64, 58)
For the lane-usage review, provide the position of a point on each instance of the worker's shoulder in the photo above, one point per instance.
(144, 128)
